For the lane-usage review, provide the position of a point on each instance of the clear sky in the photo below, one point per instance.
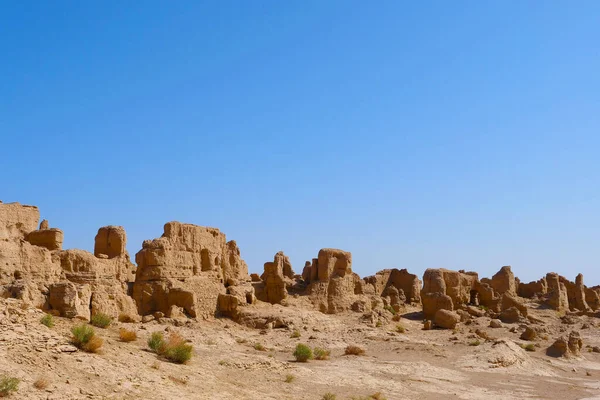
(456, 134)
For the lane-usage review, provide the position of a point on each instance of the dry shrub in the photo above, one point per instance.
(41, 383)
(329, 396)
(289, 378)
(126, 335)
(126, 318)
(259, 347)
(94, 344)
(354, 351)
(321, 354)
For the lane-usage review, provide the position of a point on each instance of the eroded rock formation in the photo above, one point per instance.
(189, 266)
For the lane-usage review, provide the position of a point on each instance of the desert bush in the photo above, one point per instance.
(174, 349)
(475, 343)
(329, 396)
(400, 328)
(354, 350)
(101, 320)
(259, 347)
(41, 383)
(47, 320)
(296, 334)
(303, 353)
(126, 335)
(84, 338)
(529, 347)
(321, 354)
(125, 318)
(156, 341)
(8, 385)
(289, 378)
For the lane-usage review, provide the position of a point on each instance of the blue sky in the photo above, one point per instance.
(463, 135)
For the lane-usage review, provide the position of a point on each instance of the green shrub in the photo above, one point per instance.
(259, 347)
(400, 328)
(8, 385)
(175, 349)
(156, 342)
(529, 347)
(179, 353)
(321, 354)
(101, 320)
(84, 338)
(475, 343)
(296, 334)
(390, 309)
(289, 378)
(303, 353)
(47, 320)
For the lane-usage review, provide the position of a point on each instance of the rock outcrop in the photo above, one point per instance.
(557, 297)
(110, 241)
(400, 279)
(333, 287)
(566, 346)
(189, 266)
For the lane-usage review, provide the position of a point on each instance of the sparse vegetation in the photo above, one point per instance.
(303, 353)
(41, 383)
(329, 396)
(241, 340)
(84, 338)
(528, 347)
(101, 320)
(400, 328)
(390, 309)
(155, 365)
(177, 350)
(259, 347)
(8, 385)
(47, 320)
(296, 334)
(354, 351)
(126, 335)
(174, 349)
(321, 354)
(378, 324)
(125, 318)
(156, 341)
(475, 343)
(289, 378)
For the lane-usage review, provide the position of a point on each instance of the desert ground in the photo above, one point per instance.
(415, 363)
